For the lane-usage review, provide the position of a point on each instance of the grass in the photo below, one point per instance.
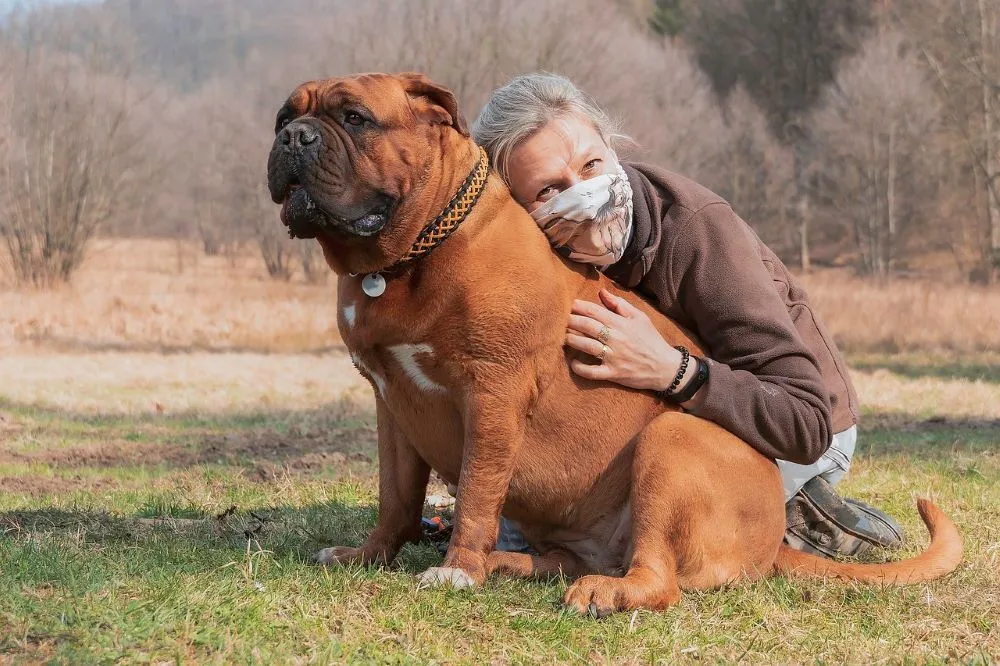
(112, 548)
(179, 434)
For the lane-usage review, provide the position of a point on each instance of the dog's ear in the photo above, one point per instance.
(433, 102)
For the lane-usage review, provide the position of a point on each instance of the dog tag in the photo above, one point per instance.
(373, 285)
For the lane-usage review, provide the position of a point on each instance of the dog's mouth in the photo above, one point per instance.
(304, 217)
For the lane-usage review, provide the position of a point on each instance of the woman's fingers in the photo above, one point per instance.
(619, 305)
(587, 326)
(599, 373)
(611, 301)
(587, 345)
(595, 311)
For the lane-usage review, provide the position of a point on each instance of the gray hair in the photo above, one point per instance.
(516, 111)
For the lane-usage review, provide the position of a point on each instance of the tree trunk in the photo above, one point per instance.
(802, 193)
(986, 37)
(890, 199)
(804, 234)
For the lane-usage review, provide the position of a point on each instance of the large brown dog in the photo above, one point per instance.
(464, 350)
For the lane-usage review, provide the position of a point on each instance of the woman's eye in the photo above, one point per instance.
(355, 119)
(592, 164)
(546, 193)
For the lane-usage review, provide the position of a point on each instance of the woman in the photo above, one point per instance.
(772, 375)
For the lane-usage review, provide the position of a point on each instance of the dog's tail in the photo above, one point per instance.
(941, 557)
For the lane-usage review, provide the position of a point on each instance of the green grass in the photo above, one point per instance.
(88, 575)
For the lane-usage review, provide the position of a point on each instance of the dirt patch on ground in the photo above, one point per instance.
(267, 454)
(110, 454)
(295, 451)
(36, 486)
(308, 464)
(910, 423)
(297, 448)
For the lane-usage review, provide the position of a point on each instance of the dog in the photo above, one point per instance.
(454, 307)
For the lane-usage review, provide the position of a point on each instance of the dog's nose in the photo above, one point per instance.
(298, 134)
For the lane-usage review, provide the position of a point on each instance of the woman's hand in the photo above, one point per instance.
(636, 355)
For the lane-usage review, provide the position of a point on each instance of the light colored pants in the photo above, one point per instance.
(832, 465)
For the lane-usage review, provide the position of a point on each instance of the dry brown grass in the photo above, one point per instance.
(141, 383)
(157, 295)
(906, 315)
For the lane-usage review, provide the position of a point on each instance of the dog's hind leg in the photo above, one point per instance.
(523, 565)
(651, 579)
(706, 510)
(651, 583)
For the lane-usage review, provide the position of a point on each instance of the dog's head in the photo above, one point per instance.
(355, 160)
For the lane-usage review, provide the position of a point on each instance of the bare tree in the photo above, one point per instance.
(873, 131)
(959, 44)
(218, 179)
(233, 201)
(726, 92)
(217, 182)
(755, 172)
(6, 138)
(314, 268)
(71, 162)
(277, 251)
(785, 53)
(987, 73)
(665, 102)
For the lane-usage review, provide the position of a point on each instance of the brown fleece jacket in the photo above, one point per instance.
(776, 380)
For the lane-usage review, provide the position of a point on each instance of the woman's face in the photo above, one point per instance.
(561, 154)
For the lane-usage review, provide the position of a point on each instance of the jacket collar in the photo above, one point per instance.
(649, 205)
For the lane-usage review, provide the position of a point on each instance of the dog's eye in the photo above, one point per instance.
(283, 123)
(354, 119)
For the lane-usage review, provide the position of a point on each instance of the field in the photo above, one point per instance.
(178, 434)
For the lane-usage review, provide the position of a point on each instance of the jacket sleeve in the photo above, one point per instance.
(764, 384)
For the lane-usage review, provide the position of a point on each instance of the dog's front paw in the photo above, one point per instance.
(339, 555)
(438, 576)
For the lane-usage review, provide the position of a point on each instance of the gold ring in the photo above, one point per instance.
(604, 335)
(604, 352)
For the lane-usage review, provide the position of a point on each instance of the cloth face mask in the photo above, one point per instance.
(592, 221)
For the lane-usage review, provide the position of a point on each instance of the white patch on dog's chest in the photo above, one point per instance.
(406, 360)
(364, 324)
(406, 357)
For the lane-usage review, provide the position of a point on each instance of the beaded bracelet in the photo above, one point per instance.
(685, 359)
